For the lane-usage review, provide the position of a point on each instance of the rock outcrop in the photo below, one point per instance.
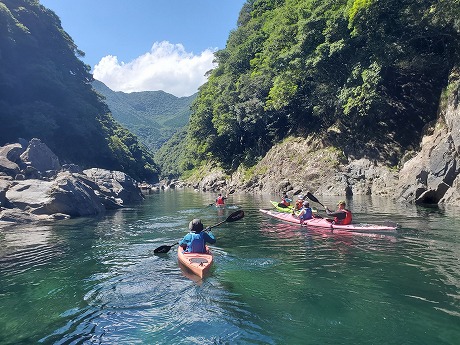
(34, 186)
(432, 176)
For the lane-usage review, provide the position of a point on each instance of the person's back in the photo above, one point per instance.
(305, 212)
(220, 200)
(195, 241)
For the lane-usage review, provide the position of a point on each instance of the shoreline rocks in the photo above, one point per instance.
(35, 187)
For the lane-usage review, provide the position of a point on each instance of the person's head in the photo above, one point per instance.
(219, 194)
(341, 204)
(306, 204)
(196, 226)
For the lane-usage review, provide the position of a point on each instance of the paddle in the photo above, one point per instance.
(237, 215)
(313, 198)
(164, 249)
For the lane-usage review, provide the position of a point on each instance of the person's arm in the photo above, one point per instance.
(185, 241)
(338, 214)
(209, 237)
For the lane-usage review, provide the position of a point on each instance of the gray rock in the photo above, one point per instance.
(115, 184)
(8, 155)
(67, 194)
(39, 156)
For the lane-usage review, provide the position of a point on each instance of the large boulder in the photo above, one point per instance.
(115, 185)
(39, 156)
(8, 157)
(67, 194)
(33, 182)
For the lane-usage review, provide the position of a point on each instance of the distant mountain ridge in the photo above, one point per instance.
(46, 93)
(153, 116)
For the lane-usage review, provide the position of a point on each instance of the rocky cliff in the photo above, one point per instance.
(432, 176)
(429, 175)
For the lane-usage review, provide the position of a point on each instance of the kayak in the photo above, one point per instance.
(325, 223)
(198, 263)
(277, 205)
(287, 209)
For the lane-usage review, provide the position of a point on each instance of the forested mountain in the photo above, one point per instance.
(154, 116)
(365, 76)
(46, 92)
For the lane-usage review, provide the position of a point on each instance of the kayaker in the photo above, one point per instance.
(195, 241)
(220, 199)
(299, 203)
(305, 212)
(342, 216)
(286, 201)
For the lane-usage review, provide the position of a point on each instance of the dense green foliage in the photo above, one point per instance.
(172, 152)
(363, 75)
(153, 116)
(46, 93)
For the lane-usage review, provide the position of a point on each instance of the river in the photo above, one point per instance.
(97, 280)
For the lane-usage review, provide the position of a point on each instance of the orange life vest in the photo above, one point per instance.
(347, 220)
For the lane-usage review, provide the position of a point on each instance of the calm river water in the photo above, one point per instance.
(97, 281)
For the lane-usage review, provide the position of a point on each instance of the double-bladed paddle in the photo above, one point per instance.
(237, 215)
(314, 199)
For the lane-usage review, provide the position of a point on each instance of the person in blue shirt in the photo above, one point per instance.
(305, 212)
(195, 241)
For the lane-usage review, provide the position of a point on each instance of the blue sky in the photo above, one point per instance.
(146, 45)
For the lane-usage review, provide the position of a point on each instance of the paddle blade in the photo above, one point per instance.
(235, 216)
(313, 198)
(163, 249)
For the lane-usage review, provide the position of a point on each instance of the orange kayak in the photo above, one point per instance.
(198, 263)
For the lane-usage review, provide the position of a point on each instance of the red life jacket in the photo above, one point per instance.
(347, 220)
(220, 201)
(285, 202)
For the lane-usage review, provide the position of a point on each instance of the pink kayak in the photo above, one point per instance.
(324, 223)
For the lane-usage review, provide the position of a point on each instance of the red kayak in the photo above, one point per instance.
(196, 262)
(325, 223)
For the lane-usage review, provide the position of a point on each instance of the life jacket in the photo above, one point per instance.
(347, 220)
(197, 244)
(298, 204)
(286, 202)
(307, 215)
(220, 201)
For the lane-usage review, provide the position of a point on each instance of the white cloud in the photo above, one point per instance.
(166, 67)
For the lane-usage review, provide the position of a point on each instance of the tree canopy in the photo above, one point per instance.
(364, 75)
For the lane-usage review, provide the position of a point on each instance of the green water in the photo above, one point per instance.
(97, 281)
